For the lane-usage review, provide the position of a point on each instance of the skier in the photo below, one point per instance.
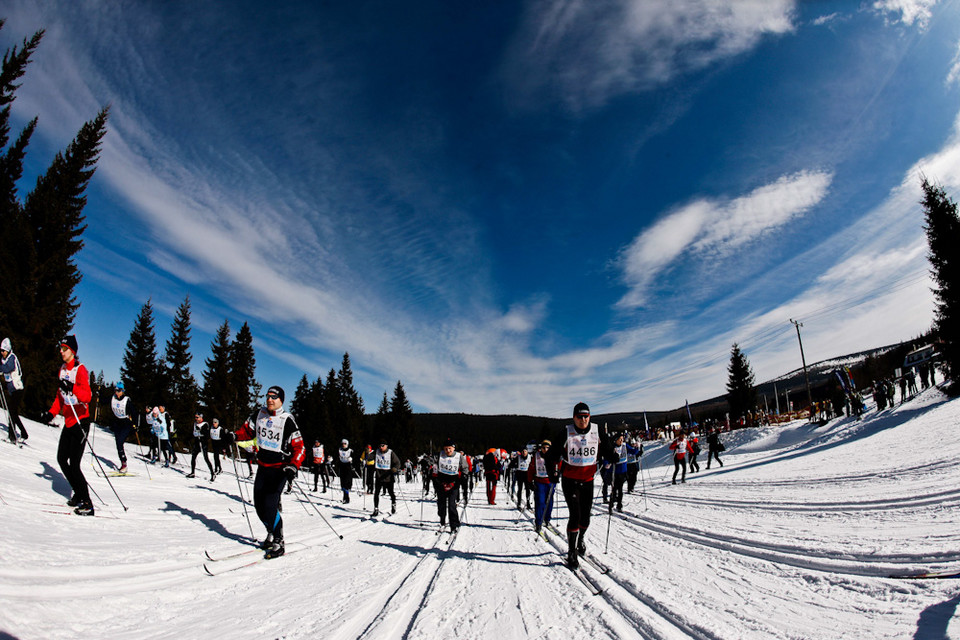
(159, 421)
(318, 463)
(122, 422)
(387, 468)
(523, 465)
(447, 477)
(583, 446)
(633, 464)
(622, 452)
(491, 473)
(681, 447)
(72, 402)
(368, 462)
(543, 473)
(13, 387)
(216, 445)
(714, 446)
(694, 451)
(345, 469)
(280, 452)
(201, 431)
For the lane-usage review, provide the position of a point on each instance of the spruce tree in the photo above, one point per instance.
(383, 421)
(741, 392)
(139, 371)
(943, 237)
(243, 382)
(38, 306)
(181, 392)
(217, 391)
(404, 429)
(351, 406)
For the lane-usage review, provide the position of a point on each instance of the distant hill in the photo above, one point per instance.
(476, 433)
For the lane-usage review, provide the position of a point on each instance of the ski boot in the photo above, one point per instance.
(376, 512)
(123, 468)
(573, 562)
(190, 475)
(74, 501)
(581, 545)
(84, 509)
(267, 542)
(276, 548)
(393, 507)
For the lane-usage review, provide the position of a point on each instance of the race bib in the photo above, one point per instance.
(523, 463)
(269, 433)
(582, 449)
(215, 433)
(346, 456)
(540, 466)
(383, 460)
(119, 407)
(449, 466)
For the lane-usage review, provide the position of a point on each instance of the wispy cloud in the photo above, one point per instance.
(953, 76)
(584, 53)
(715, 228)
(906, 11)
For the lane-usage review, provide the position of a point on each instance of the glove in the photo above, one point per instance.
(290, 471)
(46, 418)
(66, 385)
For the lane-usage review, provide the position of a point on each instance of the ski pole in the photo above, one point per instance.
(609, 520)
(136, 432)
(404, 498)
(643, 487)
(242, 500)
(304, 494)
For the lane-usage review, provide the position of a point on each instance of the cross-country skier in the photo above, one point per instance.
(280, 453)
(13, 388)
(122, 424)
(387, 468)
(491, 472)
(523, 484)
(216, 445)
(633, 463)
(368, 463)
(681, 447)
(694, 439)
(201, 431)
(72, 402)
(319, 464)
(582, 447)
(714, 446)
(543, 474)
(621, 452)
(158, 420)
(345, 469)
(450, 470)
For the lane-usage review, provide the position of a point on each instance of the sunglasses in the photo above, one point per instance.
(583, 415)
(272, 396)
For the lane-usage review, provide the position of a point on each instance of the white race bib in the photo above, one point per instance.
(383, 460)
(540, 466)
(269, 433)
(346, 455)
(523, 463)
(215, 433)
(119, 406)
(582, 449)
(449, 466)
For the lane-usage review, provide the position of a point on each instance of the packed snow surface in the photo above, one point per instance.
(796, 536)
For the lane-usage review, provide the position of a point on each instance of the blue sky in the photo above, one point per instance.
(509, 207)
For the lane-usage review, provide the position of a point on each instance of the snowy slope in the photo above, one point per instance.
(793, 538)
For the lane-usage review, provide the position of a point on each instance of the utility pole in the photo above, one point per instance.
(806, 378)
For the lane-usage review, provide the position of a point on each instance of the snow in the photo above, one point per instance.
(793, 538)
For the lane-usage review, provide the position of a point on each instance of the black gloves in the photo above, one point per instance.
(66, 385)
(290, 471)
(46, 417)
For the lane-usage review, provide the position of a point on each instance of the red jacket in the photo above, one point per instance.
(675, 445)
(75, 371)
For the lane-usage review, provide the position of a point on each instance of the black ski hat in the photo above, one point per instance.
(581, 409)
(70, 341)
(277, 390)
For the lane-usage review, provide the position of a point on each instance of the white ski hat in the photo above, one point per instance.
(5, 345)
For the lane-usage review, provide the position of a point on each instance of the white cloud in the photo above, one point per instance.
(954, 74)
(827, 19)
(907, 11)
(584, 53)
(717, 228)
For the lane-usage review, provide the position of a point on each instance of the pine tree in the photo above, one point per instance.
(139, 371)
(383, 421)
(243, 381)
(217, 391)
(181, 392)
(741, 392)
(38, 306)
(351, 406)
(404, 429)
(943, 237)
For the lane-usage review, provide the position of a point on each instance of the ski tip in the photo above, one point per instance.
(207, 570)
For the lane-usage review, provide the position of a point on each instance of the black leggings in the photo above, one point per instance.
(70, 455)
(197, 449)
(447, 502)
(266, 496)
(386, 487)
(679, 462)
(121, 432)
(13, 407)
(579, 497)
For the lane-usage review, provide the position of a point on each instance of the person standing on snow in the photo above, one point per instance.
(694, 451)
(216, 445)
(523, 465)
(491, 472)
(448, 476)
(387, 467)
(543, 474)
(158, 420)
(122, 424)
(319, 461)
(201, 431)
(583, 445)
(72, 402)
(714, 446)
(621, 453)
(280, 452)
(681, 447)
(13, 388)
(345, 469)
(368, 463)
(633, 464)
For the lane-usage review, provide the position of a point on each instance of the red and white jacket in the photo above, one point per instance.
(80, 398)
